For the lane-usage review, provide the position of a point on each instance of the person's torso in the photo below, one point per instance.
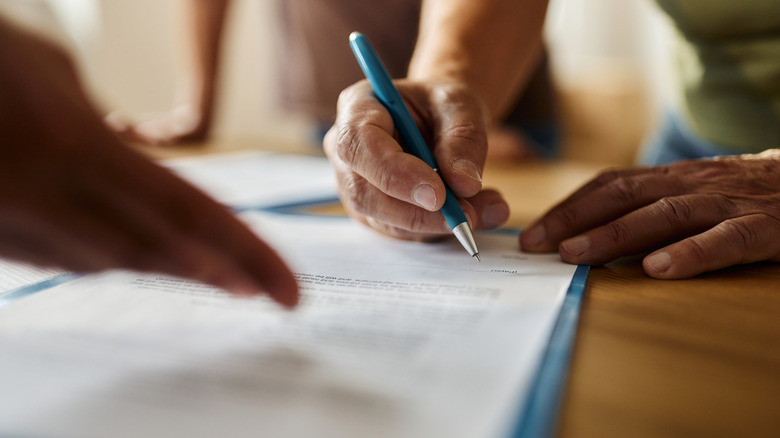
(729, 69)
(316, 61)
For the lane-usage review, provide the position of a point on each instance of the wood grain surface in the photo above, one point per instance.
(657, 358)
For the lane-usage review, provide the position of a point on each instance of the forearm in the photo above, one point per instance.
(203, 23)
(490, 45)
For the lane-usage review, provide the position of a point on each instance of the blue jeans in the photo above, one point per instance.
(674, 141)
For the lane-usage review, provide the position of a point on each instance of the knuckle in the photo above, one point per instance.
(464, 130)
(676, 210)
(355, 193)
(357, 89)
(348, 96)
(601, 179)
(724, 204)
(695, 250)
(386, 182)
(457, 99)
(416, 221)
(348, 142)
(568, 218)
(626, 190)
(354, 136)
(739, 234)
(617, 232)
(709, 170)
(452, 92)
(606, 177)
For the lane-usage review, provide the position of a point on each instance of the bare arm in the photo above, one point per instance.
(203, 22)
(491, 46)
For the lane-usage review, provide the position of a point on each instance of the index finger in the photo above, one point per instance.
(364, 142)
(607, 197)
(459, 138)
(195, 236)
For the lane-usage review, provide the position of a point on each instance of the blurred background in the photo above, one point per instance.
(609, 57)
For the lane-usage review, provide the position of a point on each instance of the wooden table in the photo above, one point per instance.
(658, 358)
(655, 358)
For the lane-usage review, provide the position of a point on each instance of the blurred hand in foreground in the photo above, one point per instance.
(73, 196)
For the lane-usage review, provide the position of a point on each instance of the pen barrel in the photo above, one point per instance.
(411, 139)
(451, 210)
(413, 142)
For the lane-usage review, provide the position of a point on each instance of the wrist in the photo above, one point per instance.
(458, 43)
(196, 98)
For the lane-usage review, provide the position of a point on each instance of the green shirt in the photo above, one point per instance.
(729, 70)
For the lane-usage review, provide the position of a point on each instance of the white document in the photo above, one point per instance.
(391, 339)
(257, 178)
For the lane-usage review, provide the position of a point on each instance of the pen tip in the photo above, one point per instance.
(476, 255)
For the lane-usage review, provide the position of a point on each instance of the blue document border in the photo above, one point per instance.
(539, 414)
(30, 289)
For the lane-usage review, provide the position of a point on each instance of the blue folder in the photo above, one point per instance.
(539, 414)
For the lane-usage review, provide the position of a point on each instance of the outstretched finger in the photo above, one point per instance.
(746, 239)
(161, 223)
(459, 141)
(599, 205)
(647, 228)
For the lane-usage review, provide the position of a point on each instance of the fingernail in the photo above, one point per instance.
(576, 245)
(659, 262)
(495, 214)
(424, 196)
(536, 235)
(467, 168)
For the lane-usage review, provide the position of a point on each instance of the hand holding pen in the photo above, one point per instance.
(396, 193)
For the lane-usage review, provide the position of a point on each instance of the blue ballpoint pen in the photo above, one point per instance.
(388, 95)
